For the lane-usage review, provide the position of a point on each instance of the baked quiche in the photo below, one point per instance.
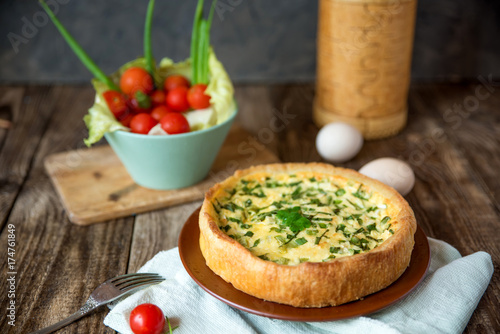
(306, 235)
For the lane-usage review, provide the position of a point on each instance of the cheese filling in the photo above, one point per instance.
(303, 217)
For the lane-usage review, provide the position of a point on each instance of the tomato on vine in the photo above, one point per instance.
(177, 99)
(159, 112)
(116, 103)
(142, 123)
(174, 81)
(136, 79)
(197, 98)
(140, 103)
(157, 97)
(174, 123)
(125, 120)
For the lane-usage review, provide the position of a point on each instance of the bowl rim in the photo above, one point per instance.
(179, 135)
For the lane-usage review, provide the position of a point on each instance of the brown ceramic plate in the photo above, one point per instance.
(194, 262)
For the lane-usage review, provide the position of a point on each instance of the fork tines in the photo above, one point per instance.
(131, 281)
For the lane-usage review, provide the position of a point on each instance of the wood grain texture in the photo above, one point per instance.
(363, 71)
(57, 264)
(455, 156)
(28, 109)
(157, 231)
(463, 180)
(94, 185)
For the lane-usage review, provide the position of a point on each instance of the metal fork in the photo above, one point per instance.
(105, 293)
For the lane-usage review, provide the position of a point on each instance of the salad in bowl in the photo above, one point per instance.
(166, 121)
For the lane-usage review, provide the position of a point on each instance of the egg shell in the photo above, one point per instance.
(338, 142)
(393, 172)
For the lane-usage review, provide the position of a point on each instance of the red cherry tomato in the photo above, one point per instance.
(136, 79)
(125, 120)
(197, 98)
(116, 103)
(159, 112)
(140, 103)
(142, 123)
(147, 319)
(157, 97)
(177, 99)
(175, 81)
(174, 123)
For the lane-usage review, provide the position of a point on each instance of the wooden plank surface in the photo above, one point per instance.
(57, 263)
(461, 173)
(456, 195)
(28, 109)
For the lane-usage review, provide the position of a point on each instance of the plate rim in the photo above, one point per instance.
(344, 311)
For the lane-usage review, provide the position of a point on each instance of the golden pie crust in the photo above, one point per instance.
(309, 284)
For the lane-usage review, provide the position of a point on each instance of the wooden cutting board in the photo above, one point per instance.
(94, 185)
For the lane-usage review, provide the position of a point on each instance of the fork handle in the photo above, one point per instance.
(89, 306)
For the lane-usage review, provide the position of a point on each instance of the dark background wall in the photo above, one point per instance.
(257, 40)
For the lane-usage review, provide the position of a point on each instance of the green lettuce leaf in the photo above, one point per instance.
(167, 67)
(100, 120)
(221, 89)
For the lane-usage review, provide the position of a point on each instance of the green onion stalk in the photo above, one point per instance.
(200, 43)
(148, 53)
(77, 49)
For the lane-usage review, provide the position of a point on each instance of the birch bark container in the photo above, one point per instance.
(364, 61)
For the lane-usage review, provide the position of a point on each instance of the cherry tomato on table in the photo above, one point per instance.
(177, 99)
(174, 123)
(197, 98)
(159, 112)
(116, 103)
(157, 97)
(174, 81)
(136, 79)
(142, 123)
(147, 319)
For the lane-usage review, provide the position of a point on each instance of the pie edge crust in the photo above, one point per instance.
(308, 284)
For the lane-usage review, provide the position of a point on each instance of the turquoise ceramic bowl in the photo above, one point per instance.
(169, 162)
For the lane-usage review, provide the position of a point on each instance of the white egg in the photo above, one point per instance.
(338, 142)
(393, 172)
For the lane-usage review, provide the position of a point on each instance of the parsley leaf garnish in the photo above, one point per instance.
(256, 243)
(297, 193)
(361, 194)
(318, 239)
(340, 192)
(300, 241)
(385, 220)
(293, 219)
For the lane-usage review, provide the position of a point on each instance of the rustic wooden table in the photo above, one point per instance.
(452, 141)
